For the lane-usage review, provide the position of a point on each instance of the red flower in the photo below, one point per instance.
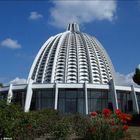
(114, 130)
(93, 114)
(124, 121)
(125, 127)
(125, 117)
(92, 129)
(118, 111)
(29, 126)
(112, 123)
(122, 116)
(106, 112)
(128, 117)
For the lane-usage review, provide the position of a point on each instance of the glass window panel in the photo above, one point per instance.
(124, 101)
(97, 100)
(71, 101)
(43, 98)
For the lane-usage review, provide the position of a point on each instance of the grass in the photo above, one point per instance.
(133, 133)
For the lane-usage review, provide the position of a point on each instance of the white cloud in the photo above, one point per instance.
(35, 15)
(121, 80)
(18, 80)
(10, 43)
(124, 80)
(81, 11)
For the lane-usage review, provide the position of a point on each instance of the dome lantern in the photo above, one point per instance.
(73, 27)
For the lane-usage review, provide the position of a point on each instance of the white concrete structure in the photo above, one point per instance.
(73, 73)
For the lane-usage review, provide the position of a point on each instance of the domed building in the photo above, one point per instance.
(71, 73)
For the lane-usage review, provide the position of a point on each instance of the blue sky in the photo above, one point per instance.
(26, 25)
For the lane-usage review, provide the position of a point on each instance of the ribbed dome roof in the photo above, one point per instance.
(72, 57)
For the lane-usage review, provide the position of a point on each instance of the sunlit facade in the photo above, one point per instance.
(71, 73)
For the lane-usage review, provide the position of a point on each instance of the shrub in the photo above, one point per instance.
(9, 116)
(61, 129)
(36, 124)
(135, 120)
(77, 124)
(108, 125)
(19, 125)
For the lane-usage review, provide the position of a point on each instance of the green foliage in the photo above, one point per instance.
(8, 118)
(19, 125)
(108, 125)
(1, 85)
(78, 124)
(135, 120)
(136, 77)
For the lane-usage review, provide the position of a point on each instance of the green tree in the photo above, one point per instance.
(136, 77)
(1, 84)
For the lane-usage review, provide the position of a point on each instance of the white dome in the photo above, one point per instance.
(72, 57)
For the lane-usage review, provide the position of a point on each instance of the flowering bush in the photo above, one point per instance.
(51, 123)
(108, 125)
